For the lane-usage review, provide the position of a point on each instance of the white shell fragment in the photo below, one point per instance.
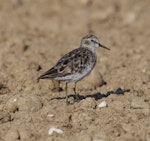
(50, 115)
(54, 129)
(102, 104)
(15, 100)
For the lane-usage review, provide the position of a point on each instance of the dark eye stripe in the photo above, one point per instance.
(95, 42)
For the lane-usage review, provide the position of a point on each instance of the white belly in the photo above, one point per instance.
(76, 76)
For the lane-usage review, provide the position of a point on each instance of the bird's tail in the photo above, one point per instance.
(50, 74)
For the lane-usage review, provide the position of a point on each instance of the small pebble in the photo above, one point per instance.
(53, 129)
(102, 104)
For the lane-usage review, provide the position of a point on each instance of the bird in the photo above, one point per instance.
(75, 65)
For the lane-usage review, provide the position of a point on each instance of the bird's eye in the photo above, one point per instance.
(93, 41)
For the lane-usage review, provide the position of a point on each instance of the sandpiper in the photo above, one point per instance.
(76, 64)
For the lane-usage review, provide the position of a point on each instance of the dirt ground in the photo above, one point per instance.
(35, 34)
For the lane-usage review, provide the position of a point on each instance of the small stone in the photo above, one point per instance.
(139, 103)
(88, 103)
(102, 104)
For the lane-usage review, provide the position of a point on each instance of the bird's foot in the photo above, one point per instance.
(77, 99)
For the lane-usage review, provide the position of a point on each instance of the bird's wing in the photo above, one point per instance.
(62, 67)
(72, 62)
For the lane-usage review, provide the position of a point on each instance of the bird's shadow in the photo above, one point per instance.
(97, 95)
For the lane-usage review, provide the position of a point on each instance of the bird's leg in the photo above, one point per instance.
(76, 95)
(66, 88)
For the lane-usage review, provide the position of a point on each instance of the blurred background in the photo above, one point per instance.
(34, 34)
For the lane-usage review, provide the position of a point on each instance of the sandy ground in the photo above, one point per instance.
(35, 34)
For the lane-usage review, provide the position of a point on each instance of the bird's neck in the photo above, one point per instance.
(91, 49)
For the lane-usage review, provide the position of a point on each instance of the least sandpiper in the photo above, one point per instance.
(76, 64)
